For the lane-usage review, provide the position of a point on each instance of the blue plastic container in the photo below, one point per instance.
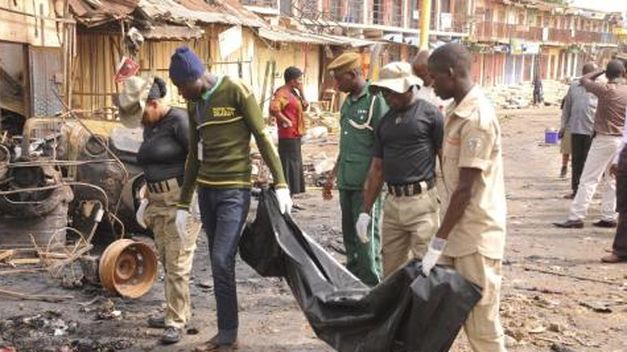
(551, 136)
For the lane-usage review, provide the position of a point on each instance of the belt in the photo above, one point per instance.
(164, 186)
(411, 189)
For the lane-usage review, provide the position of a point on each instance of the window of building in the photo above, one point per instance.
(286, 7)
(414, 14)
(377, 11)
(355, 11)
(397, 13)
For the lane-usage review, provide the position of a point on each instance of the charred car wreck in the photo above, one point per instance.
(59, 174)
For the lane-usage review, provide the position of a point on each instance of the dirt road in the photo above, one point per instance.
(555, 289)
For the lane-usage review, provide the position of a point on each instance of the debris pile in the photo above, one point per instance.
(316, 117)
(520, 96)
(28, 332)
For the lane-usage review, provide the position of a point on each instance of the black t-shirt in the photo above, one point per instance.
(163, 153)
(408, 142)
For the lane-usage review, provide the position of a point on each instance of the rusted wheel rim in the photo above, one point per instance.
(128, 268)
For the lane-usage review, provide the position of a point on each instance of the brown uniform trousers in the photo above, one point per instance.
(175, 255)
(483, 326)
(407, 227)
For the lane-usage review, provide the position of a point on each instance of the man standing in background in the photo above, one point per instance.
(421, 69)
(578, 119)
(609, 121)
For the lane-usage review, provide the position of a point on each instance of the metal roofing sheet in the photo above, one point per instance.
(198, 11)
(95, 12)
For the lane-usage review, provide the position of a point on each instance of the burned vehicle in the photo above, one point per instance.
(59, 176)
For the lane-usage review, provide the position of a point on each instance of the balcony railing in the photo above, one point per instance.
(504, 31)
(488, 31)
(595, 37)
(561, 35)
(387, 13)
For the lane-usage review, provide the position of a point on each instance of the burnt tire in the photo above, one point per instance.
(47, 201)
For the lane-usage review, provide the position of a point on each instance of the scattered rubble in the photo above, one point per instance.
(520, 96)
(37, 332)
(317, 118)
(108, 311)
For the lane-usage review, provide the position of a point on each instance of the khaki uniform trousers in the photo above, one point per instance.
(408, 225)
(175, 255)
(483, 326)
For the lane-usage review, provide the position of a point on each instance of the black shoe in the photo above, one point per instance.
(569, 224)
(171, 335)
(564, 172)
(607, 224)
(157, 323)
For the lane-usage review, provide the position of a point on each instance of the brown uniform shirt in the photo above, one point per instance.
(610, 116)
(472, 139)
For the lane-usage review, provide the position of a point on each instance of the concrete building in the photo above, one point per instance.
(511, 40)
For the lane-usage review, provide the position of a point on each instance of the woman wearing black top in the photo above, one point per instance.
(162, 156)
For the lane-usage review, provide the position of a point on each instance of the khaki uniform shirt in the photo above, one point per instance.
(472, 139)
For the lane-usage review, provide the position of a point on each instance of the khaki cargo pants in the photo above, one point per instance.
(483, 326)
(176, 256)
(408, 225)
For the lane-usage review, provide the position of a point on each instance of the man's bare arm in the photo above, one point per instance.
(373, 184)
(459, 201)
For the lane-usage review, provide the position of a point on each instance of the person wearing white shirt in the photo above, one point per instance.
(426, 92)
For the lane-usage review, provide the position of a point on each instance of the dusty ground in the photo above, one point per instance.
(539, 310)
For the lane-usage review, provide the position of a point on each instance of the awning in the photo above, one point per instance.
(278, 35)
(293, 36)
(354, 42)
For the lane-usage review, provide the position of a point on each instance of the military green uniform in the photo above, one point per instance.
(358, 120)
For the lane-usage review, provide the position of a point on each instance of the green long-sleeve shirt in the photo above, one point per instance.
(221, 124)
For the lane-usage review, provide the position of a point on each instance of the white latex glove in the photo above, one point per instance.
(363, 221)
(181, 223)
(285, 201)
(195, 209)
(139, 216)
(436, 246)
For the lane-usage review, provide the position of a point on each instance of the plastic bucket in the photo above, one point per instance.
(551, 136)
